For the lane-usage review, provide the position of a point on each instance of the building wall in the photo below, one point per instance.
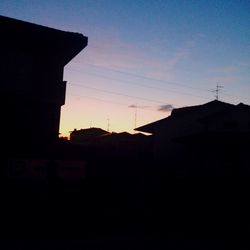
(32, 92)
(166, 149)
(236, 121)
(188, 146)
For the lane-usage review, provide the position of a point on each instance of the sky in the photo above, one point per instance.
(146, 57)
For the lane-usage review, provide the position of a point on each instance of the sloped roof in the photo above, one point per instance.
(90, 131)
(203, 108)
(150, 127)
(179, 113)
(39, 39)
(233, 109)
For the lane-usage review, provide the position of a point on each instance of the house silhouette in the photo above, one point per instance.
(32, 86)
(213, 135)
(122, 142)
(86, 136)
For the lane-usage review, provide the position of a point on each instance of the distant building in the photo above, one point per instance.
(111, 154)
(211, 134)
(32, 87)
(126, 142)
(123, 142)
(86, 136)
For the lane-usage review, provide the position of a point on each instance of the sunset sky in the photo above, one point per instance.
(151, 54)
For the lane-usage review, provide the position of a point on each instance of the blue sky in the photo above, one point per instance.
(147, 54)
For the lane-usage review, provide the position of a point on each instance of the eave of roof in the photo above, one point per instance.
(150, 127)
(38, 38)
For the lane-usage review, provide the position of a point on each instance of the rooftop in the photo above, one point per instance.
(203, 110)
(39, 39)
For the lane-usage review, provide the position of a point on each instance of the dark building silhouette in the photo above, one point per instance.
(112, 154)
(32, 87)
(214, 135)
(121, 210)
(123, 142)
(86, 136)
(126, 142)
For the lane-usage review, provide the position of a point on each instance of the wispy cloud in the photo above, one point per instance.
(113, 53)
(132, 106)
(139, 106)
(165, 107)
(181, 54)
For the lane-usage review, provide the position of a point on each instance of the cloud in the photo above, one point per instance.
(132, 106)
(181, 54)
(139, 106)
(165, 107)
(112, 52)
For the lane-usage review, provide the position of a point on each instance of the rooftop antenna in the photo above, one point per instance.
(217, 91)
(135, 106)
(108, 125)
(135, 115)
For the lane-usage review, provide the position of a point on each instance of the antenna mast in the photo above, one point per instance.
(135, 115)
(108, 125)
(217, 90)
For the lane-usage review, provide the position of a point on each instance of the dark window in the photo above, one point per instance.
(230, 124)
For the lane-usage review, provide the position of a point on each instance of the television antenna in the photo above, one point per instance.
(108, 125)
(135, 106)
(217, 91)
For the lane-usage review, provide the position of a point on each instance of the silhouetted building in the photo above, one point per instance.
(32, 87)
(123, 142)
(203, 135)
(126, 142)
(86, 136)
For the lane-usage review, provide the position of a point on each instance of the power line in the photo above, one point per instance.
(118, 93)
(236, 96)
(112, 102)
(97, 99)
(152, 79)
(140, 84)
(144, 77)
